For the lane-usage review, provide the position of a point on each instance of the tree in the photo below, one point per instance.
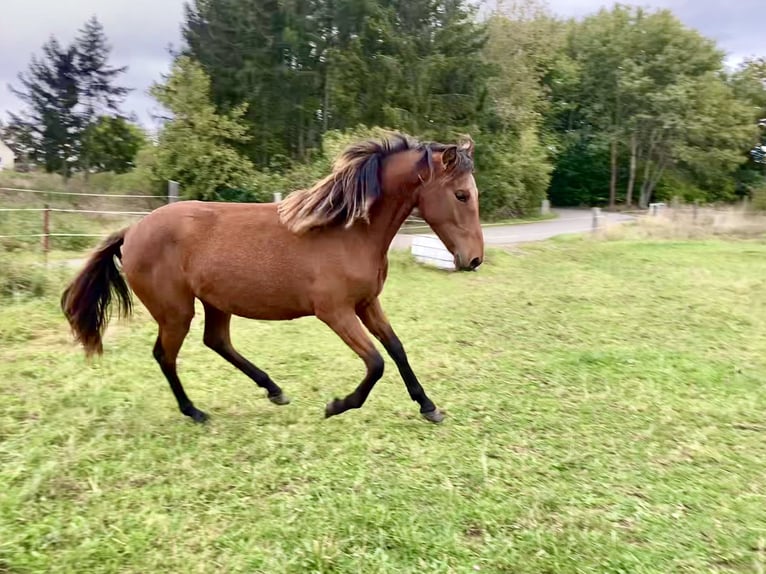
(114, 143)
(248, 49)
(307, 66)
(50, 90)
(66, 92)
(98, 94)
(196, 146)
(649, 84)
(599, 47)
(749, 84)
(524, 45)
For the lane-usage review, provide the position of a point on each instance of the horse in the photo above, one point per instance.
(321, 251)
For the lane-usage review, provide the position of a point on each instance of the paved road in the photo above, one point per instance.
(568, 221)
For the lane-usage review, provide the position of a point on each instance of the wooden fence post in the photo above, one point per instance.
(596, 218)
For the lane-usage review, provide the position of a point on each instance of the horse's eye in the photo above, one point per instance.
(461, 196)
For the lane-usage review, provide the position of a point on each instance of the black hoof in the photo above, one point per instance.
(334, 407)
(196, 415)
(435, 416)
(280, 399)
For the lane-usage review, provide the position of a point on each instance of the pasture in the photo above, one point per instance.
(606, 413)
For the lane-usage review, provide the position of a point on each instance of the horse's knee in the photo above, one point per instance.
(375, 366)
(157, 351)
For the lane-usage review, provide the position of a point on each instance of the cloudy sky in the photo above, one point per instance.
(141, 32)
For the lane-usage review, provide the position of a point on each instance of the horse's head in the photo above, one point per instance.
(449, 202)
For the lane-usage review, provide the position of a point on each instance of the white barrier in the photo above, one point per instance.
(429, 249)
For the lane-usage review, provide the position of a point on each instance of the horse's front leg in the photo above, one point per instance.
(375, 320)
(347, 326)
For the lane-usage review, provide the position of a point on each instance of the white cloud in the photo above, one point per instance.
(140, 32)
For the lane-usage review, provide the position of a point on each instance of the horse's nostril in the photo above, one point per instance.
(475, 262)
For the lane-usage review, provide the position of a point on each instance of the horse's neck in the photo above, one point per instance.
(400, 180)
(388, 215)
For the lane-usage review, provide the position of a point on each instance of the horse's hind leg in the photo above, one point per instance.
(347, 326)
(171, 303)
(169, 341)
(217, 337)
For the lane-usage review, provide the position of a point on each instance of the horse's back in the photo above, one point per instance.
(197, 223)
(237, 257)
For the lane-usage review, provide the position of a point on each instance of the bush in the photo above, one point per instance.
(512, 173)
(674, 184)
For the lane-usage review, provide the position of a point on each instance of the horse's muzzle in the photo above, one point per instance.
(471, 266)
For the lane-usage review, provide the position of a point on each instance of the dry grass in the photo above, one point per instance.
(690, 222)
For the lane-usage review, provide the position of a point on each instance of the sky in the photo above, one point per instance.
(142, 31)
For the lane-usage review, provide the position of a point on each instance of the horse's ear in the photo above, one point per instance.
(449, 157)
(466, 144)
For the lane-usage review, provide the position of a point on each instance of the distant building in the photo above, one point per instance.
(7, 159)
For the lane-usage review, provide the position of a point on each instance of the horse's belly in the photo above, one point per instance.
(257, 293)
(265, 305)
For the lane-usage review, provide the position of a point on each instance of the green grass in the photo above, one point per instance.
(606, 414)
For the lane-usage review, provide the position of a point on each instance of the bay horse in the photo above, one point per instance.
(322, 251)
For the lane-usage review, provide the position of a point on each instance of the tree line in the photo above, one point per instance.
(622, 107)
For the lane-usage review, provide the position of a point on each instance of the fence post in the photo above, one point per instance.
(172, 191)
(545, 208)
(46, 232)
(596, 218)
(277, 196)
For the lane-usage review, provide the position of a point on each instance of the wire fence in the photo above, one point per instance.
(59, 210)
(26, 215)
(48, 197)
(73, 193)
(42, 229)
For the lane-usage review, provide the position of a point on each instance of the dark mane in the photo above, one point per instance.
(346, 195)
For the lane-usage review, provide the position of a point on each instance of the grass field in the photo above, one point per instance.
(606, 413)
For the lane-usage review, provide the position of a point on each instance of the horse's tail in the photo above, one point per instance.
(86, 300)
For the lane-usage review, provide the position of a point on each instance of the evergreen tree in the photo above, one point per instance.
(67, 91)
(308, 66)
(98, 94)
(50, 90)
